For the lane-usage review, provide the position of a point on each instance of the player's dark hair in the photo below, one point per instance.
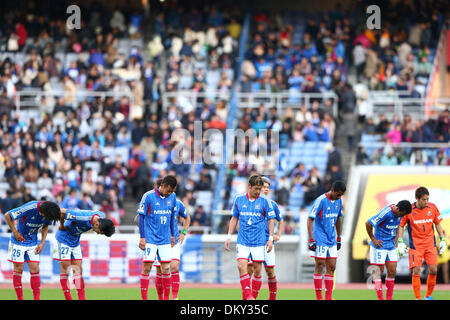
(158, 182)
(51, 211)
(256, 180)
(107, 226)
(169, 181)
(421, 191)
(404, 206)
(266, 180)
(339, 186)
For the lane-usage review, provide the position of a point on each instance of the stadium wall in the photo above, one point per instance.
(119, 260)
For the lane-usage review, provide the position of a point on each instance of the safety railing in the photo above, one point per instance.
(280, 100)
(32, 99)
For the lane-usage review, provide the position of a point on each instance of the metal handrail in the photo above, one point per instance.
(53, 93)
(253, 99)
(423, 145)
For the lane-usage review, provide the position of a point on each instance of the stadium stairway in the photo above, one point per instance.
(347, 156)
(130, 206)
(308, 268)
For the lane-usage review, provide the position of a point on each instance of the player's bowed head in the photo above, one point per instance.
(255, 184)
(104, 226)
(167, 186)
(337, 190)
(402, 208)
(50, 211)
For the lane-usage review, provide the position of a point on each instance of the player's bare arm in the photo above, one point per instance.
(338, 227)
(44, 232)
(231, 227)
(269, 244)
(186, 224)
(12, 227)
(401, 231)
(338, 232)
(397, 235)
(440, 230)
(62, 218)
(279, 230)
(310, 228)
(369, 228)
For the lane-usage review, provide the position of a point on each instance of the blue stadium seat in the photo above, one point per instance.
(296, 199)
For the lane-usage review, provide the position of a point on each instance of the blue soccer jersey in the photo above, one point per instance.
(76, 222)
(386, 224)
(253, 216)
(29, 220)
(180, 210)
(325, 213)
(278, 217)
(159, 212)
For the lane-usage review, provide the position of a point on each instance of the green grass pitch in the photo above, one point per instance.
(214, 294)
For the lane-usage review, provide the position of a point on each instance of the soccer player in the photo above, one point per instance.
(157, 224)
(253, 212)
(324, 231)
(422, 244)
(23, 245)
(68, 250)
(269, 257)
(180, 210)
(383, 242)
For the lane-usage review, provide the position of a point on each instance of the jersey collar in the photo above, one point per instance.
(157, 192)
(249, 197)
(416, 207)
(332, 201)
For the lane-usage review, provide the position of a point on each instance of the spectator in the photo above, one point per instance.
(199, 218)
(71, 201)
(389, 158)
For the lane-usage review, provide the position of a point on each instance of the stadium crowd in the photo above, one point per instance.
(392, 133)
(67, 156)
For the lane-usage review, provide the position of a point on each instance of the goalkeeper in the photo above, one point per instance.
(422, 244)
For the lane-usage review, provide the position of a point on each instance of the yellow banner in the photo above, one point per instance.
(384, 189)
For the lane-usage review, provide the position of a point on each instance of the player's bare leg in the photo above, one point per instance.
(78, 278)
(391, 270)
(165, 279)
(377, 271)
(330, 264)
(431, 280)
(145, 279)
(76, 267)
(17, 280)
(245, 279)
(257, 278)
(250, 269)
(35, 280)
(158, 283)
(318, 282)
(272, 281)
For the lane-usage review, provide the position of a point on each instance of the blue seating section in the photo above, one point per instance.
(310, 153)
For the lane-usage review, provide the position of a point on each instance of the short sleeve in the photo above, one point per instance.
(437, 215)
(269, 209)
(404, 221)
(317, 207)
(235, 209)
(143, 205)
